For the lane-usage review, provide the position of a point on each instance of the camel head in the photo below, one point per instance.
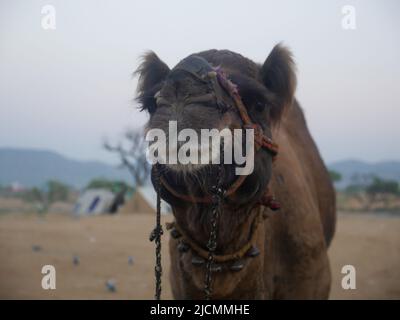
(189, 96)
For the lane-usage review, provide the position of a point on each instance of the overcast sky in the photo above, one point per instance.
(67, 89)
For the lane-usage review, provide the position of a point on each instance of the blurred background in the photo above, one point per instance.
(74, 190)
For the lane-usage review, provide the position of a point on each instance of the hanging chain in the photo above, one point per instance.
(156, 236)
(217, 196)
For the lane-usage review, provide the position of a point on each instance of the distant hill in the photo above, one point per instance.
(35, 167)
(360, 172)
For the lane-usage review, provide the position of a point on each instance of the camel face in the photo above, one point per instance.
(185, 97)
(187, 101)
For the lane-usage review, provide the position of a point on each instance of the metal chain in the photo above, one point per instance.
(156, 236)
(217, 195)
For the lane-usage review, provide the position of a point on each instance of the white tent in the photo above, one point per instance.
(94, 201)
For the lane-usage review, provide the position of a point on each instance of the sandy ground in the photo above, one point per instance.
(104, 244)
(370, 243)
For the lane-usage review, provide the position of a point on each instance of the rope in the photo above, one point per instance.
(207, 198)
(226, 257)
(156, 237)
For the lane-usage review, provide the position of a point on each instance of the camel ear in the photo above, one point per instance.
(278, 75)
(152, 72)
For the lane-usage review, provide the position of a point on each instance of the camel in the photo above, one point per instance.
(260, 253)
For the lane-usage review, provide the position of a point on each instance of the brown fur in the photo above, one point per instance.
(293, 263)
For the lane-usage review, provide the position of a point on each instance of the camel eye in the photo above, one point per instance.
(260, 106)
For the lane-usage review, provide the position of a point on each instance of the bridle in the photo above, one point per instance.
(224, 91)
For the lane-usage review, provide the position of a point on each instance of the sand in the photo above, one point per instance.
(371, 243)
(104, 244)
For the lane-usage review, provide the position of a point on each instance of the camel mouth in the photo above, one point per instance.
(197, 179)
(200, 182)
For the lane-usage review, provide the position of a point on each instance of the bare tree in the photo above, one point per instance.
(132, 154)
